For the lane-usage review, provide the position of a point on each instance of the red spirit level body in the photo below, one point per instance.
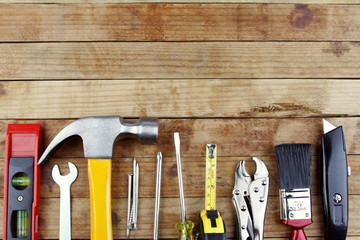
(21, 182)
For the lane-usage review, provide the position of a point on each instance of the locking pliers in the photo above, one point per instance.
(250, 200)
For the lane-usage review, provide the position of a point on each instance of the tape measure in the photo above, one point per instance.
(212, 226)
(210, 178)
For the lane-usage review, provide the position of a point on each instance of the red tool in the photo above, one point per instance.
(21, 182)
(294, 166)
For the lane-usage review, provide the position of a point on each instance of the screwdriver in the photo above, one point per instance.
(157, 196)
(185, 228)
(212, 226)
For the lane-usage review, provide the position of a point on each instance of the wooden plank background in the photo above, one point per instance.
(245, 74)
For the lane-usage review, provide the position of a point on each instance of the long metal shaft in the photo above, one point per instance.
(136, 200)
(181, 188)
(128, 224)
(157, 197)
(136, 192)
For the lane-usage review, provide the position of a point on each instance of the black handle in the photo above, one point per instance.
(335, 184)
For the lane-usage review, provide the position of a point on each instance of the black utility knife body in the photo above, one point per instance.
(335, 182)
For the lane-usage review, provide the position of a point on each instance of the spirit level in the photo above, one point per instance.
(212, 226)
(21, 182)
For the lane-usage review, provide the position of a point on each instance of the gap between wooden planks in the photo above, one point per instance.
(178, 22)
(156, 60)
(179, 98)
(235, 137)
(193, 174)
(170, 214)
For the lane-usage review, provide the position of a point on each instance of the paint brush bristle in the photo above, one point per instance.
(294, 165)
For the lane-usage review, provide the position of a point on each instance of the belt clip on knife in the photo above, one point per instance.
(335, 182)
(21, 182)
(212, 226)
(250, 200)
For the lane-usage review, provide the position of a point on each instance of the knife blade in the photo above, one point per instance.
(335, 182)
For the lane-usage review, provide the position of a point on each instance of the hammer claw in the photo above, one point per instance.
(99, 135)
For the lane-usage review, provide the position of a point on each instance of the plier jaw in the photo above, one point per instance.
(250, 200)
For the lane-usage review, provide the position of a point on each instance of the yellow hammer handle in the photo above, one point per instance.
(99, 171)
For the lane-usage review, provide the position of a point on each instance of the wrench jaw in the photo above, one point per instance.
(250, 200)
(242, 178)
(261, 170)
(69, 178)
(240, 196)
(64, 182)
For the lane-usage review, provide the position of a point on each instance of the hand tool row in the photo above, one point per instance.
(249, 195)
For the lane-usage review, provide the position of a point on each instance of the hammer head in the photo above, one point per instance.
(99, 135)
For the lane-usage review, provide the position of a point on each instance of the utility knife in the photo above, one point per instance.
(335, 182)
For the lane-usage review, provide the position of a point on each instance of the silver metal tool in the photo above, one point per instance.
(64, 183)
(99, 136)
(157, 196)
(133, 196)
(185, 228)
(181, 188)
(135, 192)
(128, 224)
(250, 200)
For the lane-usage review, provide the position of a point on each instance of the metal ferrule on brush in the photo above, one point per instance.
(295, 204)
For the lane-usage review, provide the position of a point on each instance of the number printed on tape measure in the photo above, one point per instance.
(210, 181)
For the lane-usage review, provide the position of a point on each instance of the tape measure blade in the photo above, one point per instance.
(210, 178)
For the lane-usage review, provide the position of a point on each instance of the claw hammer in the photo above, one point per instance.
(99, 135)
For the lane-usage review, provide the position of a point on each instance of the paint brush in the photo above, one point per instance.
(294, 165)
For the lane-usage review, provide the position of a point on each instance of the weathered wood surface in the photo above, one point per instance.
(235, 137)
(154, 60)
(194, 179)
(185, 98)
(185, 22)
(343, 2)
(245, 76)
(170, 214)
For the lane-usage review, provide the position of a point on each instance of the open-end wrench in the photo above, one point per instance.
(64, 183)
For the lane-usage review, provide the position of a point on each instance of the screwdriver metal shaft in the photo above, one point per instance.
(181, 188)
(185, 228)
(128, 225)
(135, 192)
(157, 197)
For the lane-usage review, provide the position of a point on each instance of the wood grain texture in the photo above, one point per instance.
(179, 22)
(235, 137)
(179, 98)
(244, 76)
(170, 214)
(193, 176)
(343, 2)
(154, 60)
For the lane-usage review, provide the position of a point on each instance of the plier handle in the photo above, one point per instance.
(250, 200)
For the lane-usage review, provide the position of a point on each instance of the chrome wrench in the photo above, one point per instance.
(64, 183)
